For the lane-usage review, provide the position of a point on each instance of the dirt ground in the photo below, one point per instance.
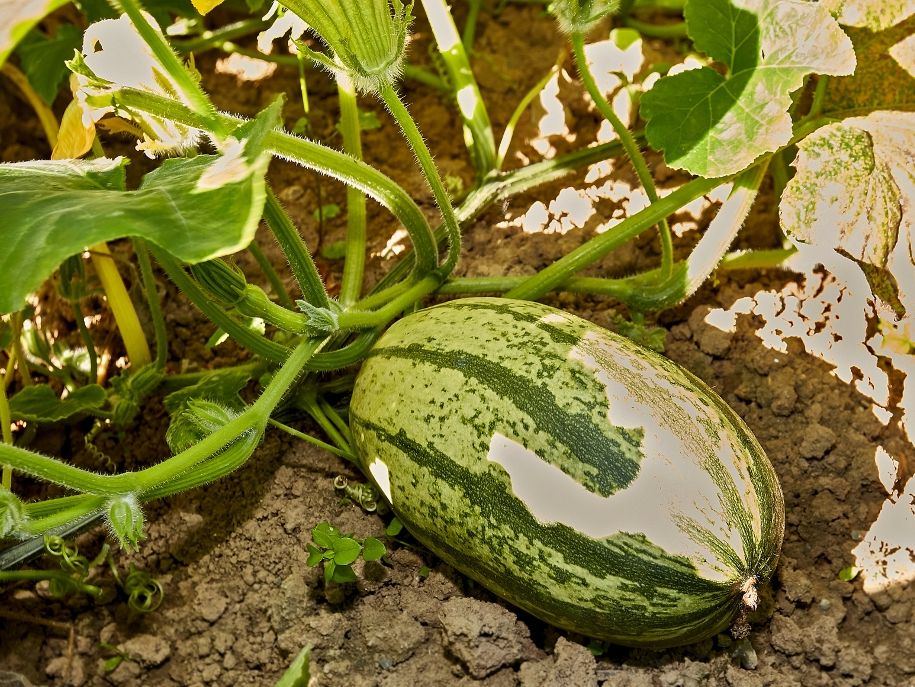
(240, 601)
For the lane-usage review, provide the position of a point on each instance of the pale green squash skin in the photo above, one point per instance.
(449, 396)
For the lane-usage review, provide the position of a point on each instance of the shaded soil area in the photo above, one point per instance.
(240, 600)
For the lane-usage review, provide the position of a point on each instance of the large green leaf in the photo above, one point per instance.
(17, 17)
(44, 59)
(39, 403)
(196, 209)
(712, 124)
(854, 189)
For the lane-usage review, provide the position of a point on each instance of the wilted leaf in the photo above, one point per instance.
(853, 190)
(196, 208)
(39, 403)
(714, 125)
(875, 15)
(74, 138)
(17, 17)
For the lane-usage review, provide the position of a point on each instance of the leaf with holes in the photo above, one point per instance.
(714, 125)
(855, 187)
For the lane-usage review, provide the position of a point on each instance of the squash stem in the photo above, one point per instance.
(354, 263)
(629, 145)
(424, 157)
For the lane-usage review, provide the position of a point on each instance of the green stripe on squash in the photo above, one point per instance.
(590, 481)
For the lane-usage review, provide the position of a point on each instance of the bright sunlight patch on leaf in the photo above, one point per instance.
(875, 15)
(853, 189)
(714, 125)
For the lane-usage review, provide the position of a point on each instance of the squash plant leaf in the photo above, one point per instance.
(875, 15)
(714, 125)
(854, 189)
(195, 208)
(17, 19)
(44, 58)
(885, 76)
(39, 403)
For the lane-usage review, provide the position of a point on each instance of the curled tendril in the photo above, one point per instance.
(70, 559)
(363, 495)
(144, 592)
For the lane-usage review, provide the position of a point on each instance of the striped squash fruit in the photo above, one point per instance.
(588, 480)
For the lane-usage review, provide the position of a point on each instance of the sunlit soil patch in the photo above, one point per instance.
(886, 555)
(832, 310)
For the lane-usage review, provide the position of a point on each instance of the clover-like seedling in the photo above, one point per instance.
(338, 552)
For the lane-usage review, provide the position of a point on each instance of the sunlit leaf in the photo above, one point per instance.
(883, 79)
(196, 209)
(43, 58)
(875, 15)
(713, 124)
(39, 403)
(205, 6)
(854, 187)
(848, 573)
(324, 535)
(17, 17)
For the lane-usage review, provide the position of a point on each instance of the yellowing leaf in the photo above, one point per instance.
(855, 187)
(74, 138)
(883, 79)
(205, 6)
(875, 15)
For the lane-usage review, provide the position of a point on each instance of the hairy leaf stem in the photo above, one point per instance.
(478, 136)
(629, 145)
(272, 275)
(314, 156)
(253, 419)
(424, 157)
(190, 89)
(354, 262)
(300, 261)
(254, 342)
(553, 275)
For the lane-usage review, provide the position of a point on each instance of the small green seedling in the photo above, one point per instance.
(326, 212)
(338, 552)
